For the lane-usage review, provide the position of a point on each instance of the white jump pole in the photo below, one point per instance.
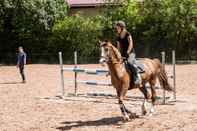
(61, 73)
(163, 63)
(174, 72)
(75, 79)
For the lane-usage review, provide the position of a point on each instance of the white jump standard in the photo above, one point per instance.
(77, 70)
(173, 75)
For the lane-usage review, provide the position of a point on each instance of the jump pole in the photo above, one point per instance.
(61, 73)
(174, 73)
(75, 61)
(163, 63)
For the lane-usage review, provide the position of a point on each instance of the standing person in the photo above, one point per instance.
(21, 61)
(125, 46)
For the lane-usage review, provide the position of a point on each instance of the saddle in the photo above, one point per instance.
(131, 69)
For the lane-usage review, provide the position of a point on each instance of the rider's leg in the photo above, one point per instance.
(132, 62)
(138, 77)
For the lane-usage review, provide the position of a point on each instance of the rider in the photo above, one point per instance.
(125, 46)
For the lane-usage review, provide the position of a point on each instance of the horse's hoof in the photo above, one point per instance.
(152, 110)
(133, 116)
(126, 118)
(144, 113)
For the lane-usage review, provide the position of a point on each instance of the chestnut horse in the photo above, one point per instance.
(123, 81)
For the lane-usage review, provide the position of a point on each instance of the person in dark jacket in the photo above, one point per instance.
(21, 61)
(125, 46)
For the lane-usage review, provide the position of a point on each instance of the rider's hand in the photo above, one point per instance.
(127, 55)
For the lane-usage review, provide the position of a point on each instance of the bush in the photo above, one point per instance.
(79, 34)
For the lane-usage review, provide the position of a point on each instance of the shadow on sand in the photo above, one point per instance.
(68, 125)
(11, 83)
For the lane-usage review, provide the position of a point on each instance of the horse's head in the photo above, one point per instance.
(109, 54)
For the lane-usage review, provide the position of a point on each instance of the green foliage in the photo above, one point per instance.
(28, 23)
(161, 25)
(77, 33)
(42, 27)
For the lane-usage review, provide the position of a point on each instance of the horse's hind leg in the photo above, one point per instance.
(147, 96)
(153, 97)
(145, 92)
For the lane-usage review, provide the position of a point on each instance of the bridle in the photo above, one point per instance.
(108, 59)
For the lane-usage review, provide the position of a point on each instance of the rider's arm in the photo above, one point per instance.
(130, 40)
(118, 45)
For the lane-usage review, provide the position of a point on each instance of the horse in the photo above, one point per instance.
(122, 80)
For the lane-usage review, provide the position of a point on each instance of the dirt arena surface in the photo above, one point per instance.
(34, 106)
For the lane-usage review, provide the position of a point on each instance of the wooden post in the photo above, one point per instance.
(163, 63)
(75, 79)
(61, 73)
(174, 72)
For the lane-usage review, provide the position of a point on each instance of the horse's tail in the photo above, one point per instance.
(163, 78)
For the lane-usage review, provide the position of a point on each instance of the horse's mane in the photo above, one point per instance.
(117, 54)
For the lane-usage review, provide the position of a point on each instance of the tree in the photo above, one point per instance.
(160, 24)
(28, 22)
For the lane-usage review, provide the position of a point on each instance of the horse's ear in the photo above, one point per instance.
(100, 42)
(108, 42)
(103, 43)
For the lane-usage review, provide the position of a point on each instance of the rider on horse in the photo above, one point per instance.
(125, 46)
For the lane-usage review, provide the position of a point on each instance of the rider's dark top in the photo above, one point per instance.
(124, 44)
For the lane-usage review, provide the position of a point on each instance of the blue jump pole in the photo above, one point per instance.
(87, 71)
(95, 83)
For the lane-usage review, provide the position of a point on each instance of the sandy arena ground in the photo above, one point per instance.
(34, 106)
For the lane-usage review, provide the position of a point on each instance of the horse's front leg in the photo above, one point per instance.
(125, 112)
(121, 93)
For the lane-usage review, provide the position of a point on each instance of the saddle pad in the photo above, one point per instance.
(140, 67)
